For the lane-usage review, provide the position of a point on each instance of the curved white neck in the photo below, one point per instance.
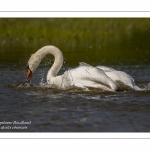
(58, 59)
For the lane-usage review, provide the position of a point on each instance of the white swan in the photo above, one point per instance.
(84, 76)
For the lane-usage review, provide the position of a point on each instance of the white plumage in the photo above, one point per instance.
(84, 76)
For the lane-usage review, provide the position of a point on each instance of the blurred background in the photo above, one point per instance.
(97, 41)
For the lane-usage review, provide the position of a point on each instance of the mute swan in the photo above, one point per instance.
(84, 76)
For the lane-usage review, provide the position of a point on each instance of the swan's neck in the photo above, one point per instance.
(58, 59)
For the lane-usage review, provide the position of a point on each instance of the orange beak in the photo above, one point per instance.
(29, 74)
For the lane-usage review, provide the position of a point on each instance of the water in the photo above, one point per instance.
(52, 110)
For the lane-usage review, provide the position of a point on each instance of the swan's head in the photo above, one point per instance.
(29, 74)
(32, 65)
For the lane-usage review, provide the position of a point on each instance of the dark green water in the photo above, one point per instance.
(119, 43)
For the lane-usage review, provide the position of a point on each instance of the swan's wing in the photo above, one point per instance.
(104, 68)
(122, 79)
(101, 77)
(91, 77)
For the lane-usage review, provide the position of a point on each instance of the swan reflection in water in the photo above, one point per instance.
(84, 76)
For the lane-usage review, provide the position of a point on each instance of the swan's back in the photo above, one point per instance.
(104, 68)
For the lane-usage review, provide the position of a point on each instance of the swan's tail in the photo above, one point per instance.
(136, 88)
(146, 88)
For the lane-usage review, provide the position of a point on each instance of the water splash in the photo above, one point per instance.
(46, 87)
(147, 87)
(42, 79)
(41, 84)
